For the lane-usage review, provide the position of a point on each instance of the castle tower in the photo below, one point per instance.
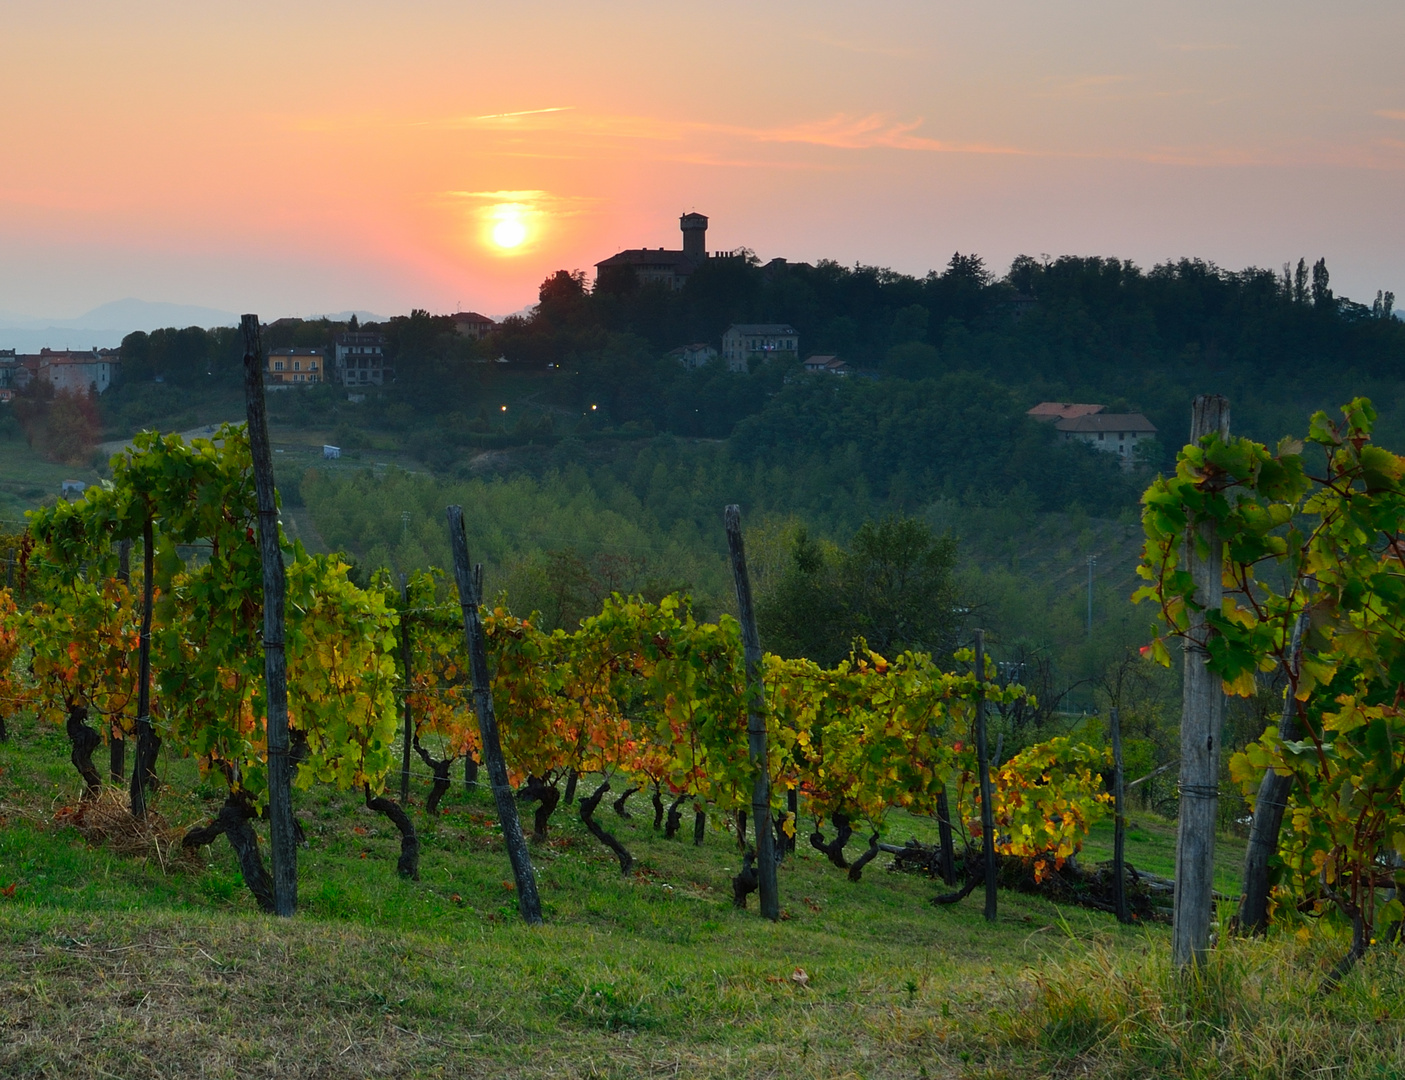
(694, 228)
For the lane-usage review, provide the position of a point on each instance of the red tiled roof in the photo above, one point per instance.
(1061, 410)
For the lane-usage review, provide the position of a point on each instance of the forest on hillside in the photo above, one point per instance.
(1278, 344)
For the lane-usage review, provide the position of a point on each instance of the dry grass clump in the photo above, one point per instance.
(1252, 1010)
(107, 819)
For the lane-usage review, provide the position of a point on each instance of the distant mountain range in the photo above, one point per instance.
(105, 326)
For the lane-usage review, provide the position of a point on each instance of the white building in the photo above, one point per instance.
(360, 360)
(1112, 433)
(742, 341)
(76, 372)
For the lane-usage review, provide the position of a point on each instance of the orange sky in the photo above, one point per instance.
(296, 157)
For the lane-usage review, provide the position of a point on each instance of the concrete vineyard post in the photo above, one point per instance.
(527, 900)
(1202, 718)
(283, 845)
(755, 722)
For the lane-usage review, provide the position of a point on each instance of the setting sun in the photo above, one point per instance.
(508, 225)
(509, 233)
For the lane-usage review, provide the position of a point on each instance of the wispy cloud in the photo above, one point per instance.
(713, 161)
(864, 48)
(1083, 86)
(842, 131)
(528, 201)
(525, 112)
(572, 133)
(846, 131)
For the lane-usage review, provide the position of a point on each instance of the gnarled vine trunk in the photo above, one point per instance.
(746, 881)
(546, 796)
(1270, 805)
(675, 818)
(618, 804)
(948, 858)
(441, 783)
(587, 812)
(409, 863)
(232, 822)
(834, 849)
(83, 740)
(856, 867)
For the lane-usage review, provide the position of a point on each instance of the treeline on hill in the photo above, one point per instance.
(1090, 329)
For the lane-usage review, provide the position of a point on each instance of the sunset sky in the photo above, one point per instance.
(301, 157)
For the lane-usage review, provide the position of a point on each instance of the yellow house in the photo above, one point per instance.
(292, 367)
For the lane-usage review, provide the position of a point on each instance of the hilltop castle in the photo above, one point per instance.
(660, 265)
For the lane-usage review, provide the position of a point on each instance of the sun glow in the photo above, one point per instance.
(508, 234)
(508, 225)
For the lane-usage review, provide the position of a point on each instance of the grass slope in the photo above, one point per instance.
(117, 966)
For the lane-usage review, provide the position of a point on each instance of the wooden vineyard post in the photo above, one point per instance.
(405, 699)
(283, 844)
(1271, 802)
(527, 900)
(987, 792)
(470, 763)
(1202, 718)
(144, 767)
(116, 741)
(1119, 823)
(755, 722)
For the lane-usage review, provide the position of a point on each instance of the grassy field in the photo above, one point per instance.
(115, 965)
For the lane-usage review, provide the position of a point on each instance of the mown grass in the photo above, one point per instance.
(114, 966)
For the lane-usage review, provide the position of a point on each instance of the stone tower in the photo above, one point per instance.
(694, 228)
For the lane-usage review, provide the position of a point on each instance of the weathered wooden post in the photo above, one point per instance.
(148, 745)
(116, 737)
(1271, 802)
(283, 843)
(405, 700)
(470, 763)
(527, 900)
(1202, 718)
(987, 791)
(1119, 822)
(755, 722)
